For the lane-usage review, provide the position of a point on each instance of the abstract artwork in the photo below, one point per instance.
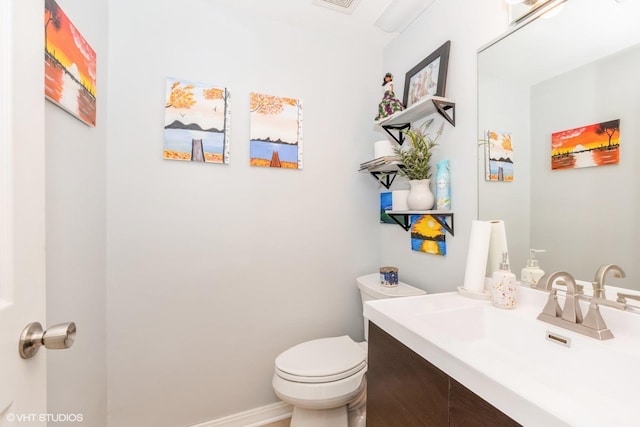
(385, 204)
(427, 235)
(276, 131)
(70, 66)
(499, 157)
(196, 122)
(586, 146)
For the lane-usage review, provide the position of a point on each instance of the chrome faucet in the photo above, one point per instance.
(598, 283)
(570, 316)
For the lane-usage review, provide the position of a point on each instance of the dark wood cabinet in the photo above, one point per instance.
(405, 390)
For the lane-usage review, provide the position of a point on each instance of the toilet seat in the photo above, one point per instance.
(322, 360)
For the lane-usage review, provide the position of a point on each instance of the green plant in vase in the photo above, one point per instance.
(415, 156)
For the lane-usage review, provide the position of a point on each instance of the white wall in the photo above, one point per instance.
(76, 236)
(215, 269)
(469, 25)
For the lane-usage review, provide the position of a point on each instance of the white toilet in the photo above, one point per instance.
(324, 379)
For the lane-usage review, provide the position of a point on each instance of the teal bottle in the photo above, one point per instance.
(443, 186)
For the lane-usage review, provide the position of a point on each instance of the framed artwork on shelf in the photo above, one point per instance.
(429, 77)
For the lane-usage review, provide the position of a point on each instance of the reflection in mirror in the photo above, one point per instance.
(578, 68)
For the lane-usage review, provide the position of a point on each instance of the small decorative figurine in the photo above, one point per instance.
(389, 104)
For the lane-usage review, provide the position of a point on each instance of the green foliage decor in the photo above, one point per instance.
(416, 155)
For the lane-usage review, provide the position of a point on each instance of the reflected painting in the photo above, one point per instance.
(196, 122)
(70, 66)
(586, 146)
(276, 131)
(499, 157)
(427, 235)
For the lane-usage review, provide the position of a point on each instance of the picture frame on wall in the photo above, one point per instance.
(428, 77)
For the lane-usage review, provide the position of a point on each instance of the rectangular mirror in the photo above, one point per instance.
(574, 66)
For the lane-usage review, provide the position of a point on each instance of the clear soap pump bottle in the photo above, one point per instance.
(532, 272)
(503, 285)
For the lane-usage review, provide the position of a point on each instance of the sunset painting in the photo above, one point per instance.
(586, 146)
(70, 66)
(427, 235)
(196, 122)
(499, 157)
(276, 131)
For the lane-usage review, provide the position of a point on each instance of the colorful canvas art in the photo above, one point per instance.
(385, 205)
(276, 131)
(586, 146)
(499, 157)
(196, 122)
(70, 66)
(427, 235)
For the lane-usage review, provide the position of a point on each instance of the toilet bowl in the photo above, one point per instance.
(324, 379)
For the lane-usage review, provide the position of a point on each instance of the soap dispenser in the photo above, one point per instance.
(532, 272)
(503, 285)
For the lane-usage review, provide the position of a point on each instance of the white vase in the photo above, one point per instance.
(420, 196)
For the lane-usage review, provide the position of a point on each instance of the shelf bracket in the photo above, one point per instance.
(447, 110)
(404, 219)
(400, 138)
(384, 178)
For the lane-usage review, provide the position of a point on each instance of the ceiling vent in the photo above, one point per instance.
(344, 6)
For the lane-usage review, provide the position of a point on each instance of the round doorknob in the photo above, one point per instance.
(56, 337)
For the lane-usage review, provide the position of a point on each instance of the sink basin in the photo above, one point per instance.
(520, 364)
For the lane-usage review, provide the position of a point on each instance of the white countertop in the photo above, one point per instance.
(504, 357)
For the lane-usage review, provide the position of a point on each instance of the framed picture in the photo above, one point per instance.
(428, 78)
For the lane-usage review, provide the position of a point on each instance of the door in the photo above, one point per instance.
(22, 201)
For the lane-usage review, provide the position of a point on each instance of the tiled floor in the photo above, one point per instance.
(281, 423)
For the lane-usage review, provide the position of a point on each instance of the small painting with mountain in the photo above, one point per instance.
(196, 122)
(276, 131)
(499, 154)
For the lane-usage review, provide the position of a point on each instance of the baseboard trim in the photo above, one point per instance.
(256, 417)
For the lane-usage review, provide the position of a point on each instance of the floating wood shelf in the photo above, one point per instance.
(425, 107)
(385, 173)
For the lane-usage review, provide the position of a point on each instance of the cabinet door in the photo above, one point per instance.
(469, 410)
(403, 389)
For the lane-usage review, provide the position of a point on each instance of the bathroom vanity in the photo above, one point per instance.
(406, 390)
(448, 360)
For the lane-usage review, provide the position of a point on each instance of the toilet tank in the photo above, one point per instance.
(371, 289)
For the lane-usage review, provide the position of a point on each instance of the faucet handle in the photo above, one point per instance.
(622, 297)
(620, 304)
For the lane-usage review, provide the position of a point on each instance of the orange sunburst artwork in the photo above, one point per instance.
(592, 145)
(70, 65)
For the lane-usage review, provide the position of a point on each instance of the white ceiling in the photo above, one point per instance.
(358, 26)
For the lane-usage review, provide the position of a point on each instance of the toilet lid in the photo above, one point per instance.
(322, 360)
